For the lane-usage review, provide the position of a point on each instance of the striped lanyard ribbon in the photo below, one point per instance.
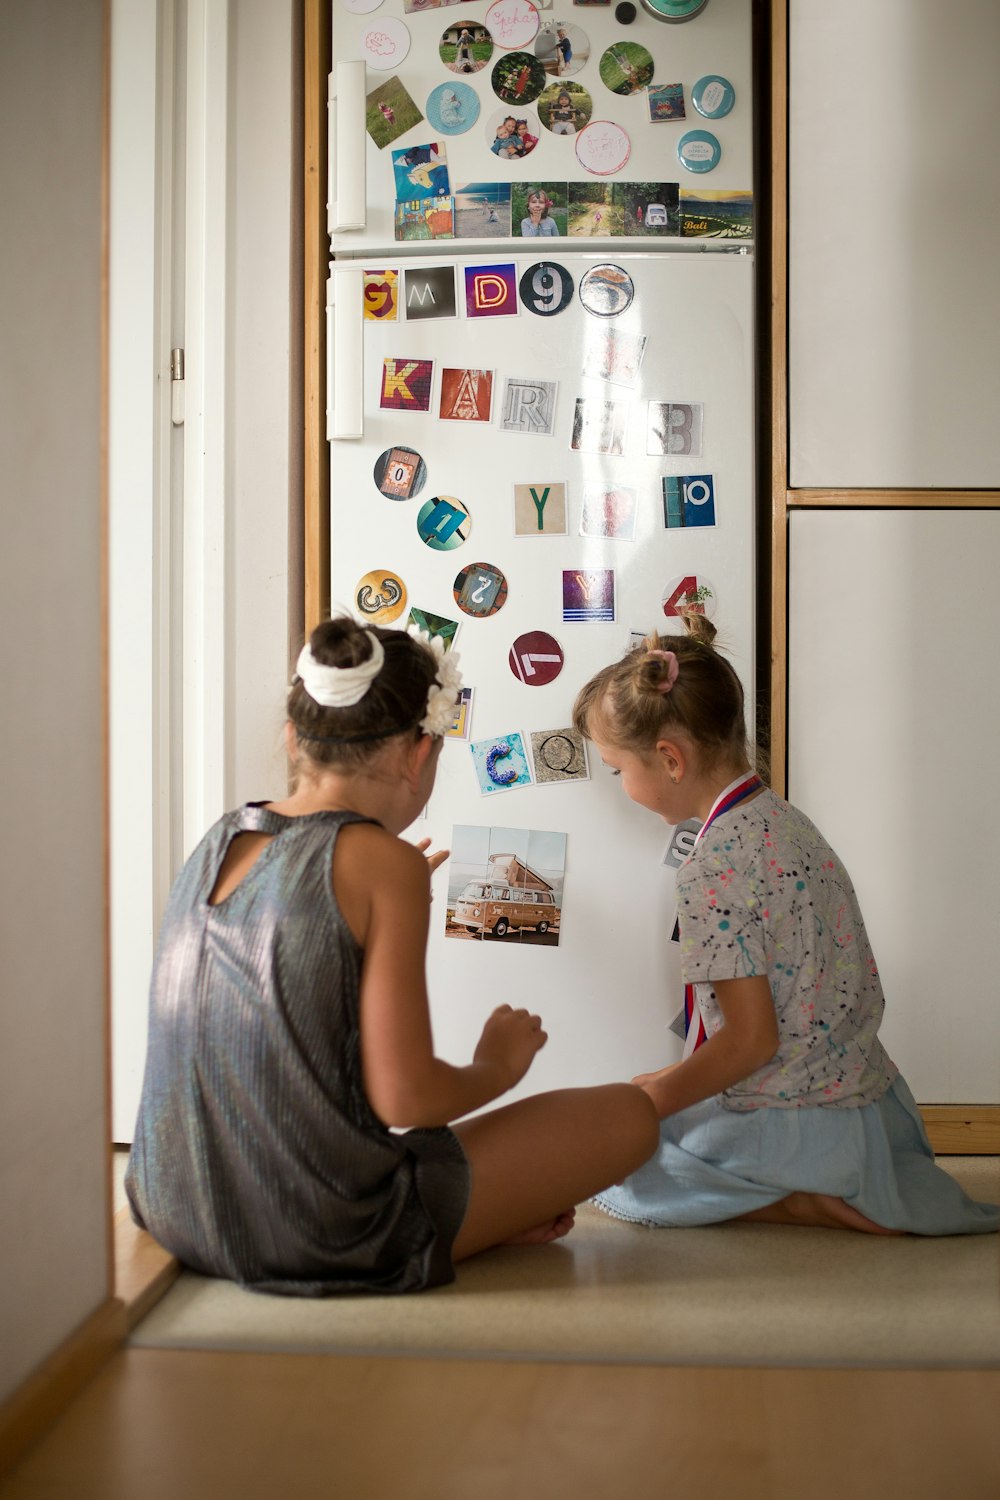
(737, 791)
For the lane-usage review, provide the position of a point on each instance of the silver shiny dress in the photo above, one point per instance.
(256, 1155)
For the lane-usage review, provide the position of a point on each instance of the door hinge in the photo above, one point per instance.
(177, 387)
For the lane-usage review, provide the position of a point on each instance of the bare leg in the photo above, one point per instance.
(817, 1211)
(534, 1160)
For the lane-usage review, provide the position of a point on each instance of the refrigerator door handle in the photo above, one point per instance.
(345, 372)
(346, 186)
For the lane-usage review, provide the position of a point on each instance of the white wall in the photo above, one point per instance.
(53, 1127)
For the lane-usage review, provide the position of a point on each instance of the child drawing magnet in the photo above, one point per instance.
(699, 151)
(452, 108)
(465, 46)
(557, 756)
(400, 473)
(443, 523)
(602, 147)
(512, 23)
(500, 763)
(361, 7)
(385, 43)
(546, 288)
(606, 290)
(689, 591)
(480, 589)
(536, 658)
(540, 510)
(380, 596)
(713, 96)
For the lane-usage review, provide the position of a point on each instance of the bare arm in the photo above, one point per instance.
(388, 901)
(746, 1042)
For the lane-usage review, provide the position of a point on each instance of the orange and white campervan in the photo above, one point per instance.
(511, 896)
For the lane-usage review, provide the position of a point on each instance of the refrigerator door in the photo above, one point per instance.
(388, 71)
(504, 497)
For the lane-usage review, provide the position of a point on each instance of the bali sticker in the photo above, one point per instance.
(461, 724)
(713, 96)
(538, 211)
(699, 151)
(546, 288)
(421, 172)
(726, 214)
(665, 101)
(466, 395)
(588, 594)
(536, 658)
(406, 384)
(564, 108)
(482, 210)
(625, 67)
(540, 510)
(558, 755)
(452, 108)
(561, 48)
(647, 207)
(505, 885)
(385, 43)
(599, 426)
(501, 763)
(606, 290)
(380, 298)
(688, 500)
(424, 219)
(529, 406)
(512, 134)
(400, 473)
(689, 592)
(491, 291)
(390, 112)
(518, 78)
(443, 523)
(429, 292)
(480, 589)
(591, 211)
(609, 510)
(380, 596)
(674, 427)
(602, 147)
(614, 356)
(434, 625)
(465, 47)
(512, 23)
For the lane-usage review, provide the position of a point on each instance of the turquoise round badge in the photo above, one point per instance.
(713, 96)
(674, 10)
(699, 151)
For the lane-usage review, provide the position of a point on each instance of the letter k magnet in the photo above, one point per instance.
(406, 384)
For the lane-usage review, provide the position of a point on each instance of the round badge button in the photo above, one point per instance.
(626, 67)
(452, 108)
(606, 290)
(465, 46)
(546, 288)
(603, 147)
(400, 473)
(518, 78)
(713, 96)
(480, 589)
(536, 658)
(689, 591)
(443, 523)
(380, 596)
(699, 151)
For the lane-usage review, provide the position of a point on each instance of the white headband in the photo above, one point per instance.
(339, 687)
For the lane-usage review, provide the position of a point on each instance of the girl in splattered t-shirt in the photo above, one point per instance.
(785, 1106)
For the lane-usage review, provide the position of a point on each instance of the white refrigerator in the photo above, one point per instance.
(539, 446)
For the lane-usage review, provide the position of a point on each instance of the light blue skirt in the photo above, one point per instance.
(715, 1164)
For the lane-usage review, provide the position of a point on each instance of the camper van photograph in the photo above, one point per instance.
(505, 885)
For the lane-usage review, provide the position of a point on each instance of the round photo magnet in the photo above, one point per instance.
(606, 290)
(452, 108)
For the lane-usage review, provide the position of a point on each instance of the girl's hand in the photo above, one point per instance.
(646, 1080)
(435, 860)
(509, 1042)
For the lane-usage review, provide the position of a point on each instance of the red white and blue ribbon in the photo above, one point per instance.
(737, 791)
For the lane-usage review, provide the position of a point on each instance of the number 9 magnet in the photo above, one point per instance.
(546, 288)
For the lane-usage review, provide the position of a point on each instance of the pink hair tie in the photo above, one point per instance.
(672, 669)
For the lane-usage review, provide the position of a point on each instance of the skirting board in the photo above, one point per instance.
(963, 1129)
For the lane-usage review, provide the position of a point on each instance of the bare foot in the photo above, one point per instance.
(544, 1234)
(817, 1211)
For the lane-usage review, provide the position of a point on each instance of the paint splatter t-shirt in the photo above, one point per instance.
(764, 894)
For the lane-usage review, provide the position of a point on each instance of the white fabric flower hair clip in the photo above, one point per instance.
(444, 691)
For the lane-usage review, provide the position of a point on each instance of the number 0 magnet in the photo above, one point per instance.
(546, 288)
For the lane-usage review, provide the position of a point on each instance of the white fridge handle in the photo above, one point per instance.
(345, 116)
(345, 352)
